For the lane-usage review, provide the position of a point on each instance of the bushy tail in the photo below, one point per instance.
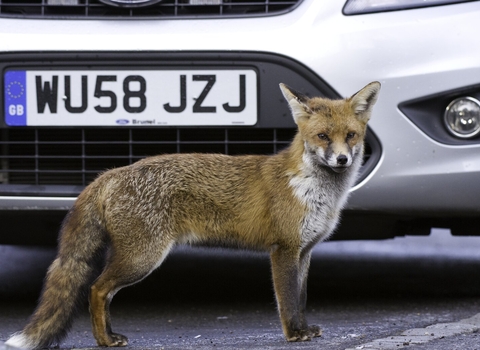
(81, 247)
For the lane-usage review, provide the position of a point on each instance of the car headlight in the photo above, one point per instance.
(357, 7)
(462, 117)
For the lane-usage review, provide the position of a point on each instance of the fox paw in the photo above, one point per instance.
(304, 334)
(315, 331)
(114, 339)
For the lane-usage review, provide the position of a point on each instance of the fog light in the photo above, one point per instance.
(462, 117)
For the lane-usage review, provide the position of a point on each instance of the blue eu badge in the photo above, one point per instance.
(15, 98)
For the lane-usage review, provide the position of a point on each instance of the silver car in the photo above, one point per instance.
(90, 85)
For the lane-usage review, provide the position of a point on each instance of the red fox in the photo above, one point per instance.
(129, 218)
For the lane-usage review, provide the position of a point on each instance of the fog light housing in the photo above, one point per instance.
(462, 117)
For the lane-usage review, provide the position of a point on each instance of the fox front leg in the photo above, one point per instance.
(289, 279)
(313, 330)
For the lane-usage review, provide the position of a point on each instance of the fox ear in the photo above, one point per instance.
(297, 102)
(362, 102)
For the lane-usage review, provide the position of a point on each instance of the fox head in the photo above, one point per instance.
(332, 130)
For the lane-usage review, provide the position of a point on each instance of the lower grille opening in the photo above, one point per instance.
(34, 161)
(76, 156)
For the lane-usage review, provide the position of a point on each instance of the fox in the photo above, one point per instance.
(123, 225)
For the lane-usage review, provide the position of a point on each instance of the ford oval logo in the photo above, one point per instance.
(123, 121)
(130, 3)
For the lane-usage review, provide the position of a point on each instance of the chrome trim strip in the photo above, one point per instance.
(36, 203)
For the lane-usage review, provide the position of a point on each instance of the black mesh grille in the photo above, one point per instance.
(76, 156)
(95, 9)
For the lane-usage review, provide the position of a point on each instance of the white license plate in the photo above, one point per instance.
(129, 97)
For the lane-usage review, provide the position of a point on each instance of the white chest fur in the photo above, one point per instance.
(324, 194)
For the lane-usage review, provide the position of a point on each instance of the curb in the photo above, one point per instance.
(416, 336)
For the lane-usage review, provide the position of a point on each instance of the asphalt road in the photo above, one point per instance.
(414, 292)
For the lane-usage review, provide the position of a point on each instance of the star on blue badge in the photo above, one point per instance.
(15, 89)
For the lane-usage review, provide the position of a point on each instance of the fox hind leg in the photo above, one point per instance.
(123, 268)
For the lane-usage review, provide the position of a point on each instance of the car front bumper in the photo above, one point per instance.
(413, 53)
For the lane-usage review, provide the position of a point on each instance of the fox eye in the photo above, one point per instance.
(323, 137)
(350, 135)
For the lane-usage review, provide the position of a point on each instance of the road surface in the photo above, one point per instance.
(414, 292)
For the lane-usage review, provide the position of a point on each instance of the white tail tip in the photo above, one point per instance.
(18, 341)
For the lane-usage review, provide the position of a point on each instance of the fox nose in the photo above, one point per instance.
(342, 159)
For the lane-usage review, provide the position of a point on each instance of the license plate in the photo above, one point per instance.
(130, 97)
